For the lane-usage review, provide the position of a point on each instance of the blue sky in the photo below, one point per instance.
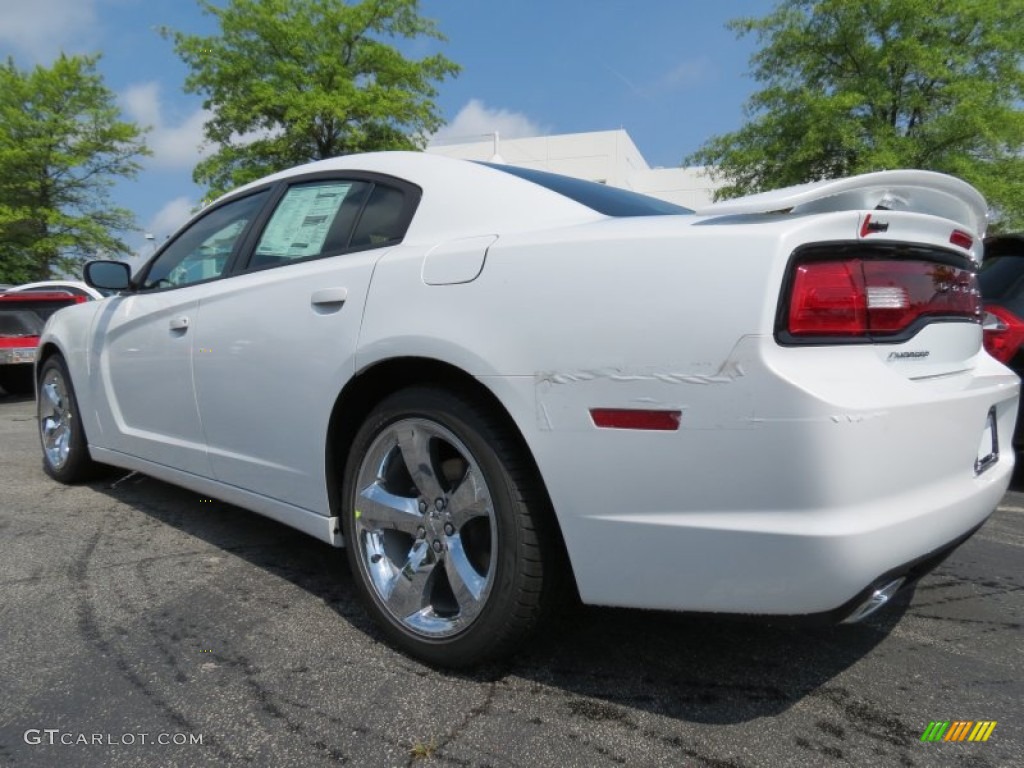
(667, 71)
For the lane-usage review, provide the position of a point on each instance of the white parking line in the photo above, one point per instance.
(1008, 508)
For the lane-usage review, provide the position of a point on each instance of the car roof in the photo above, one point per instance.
(58, 285)
(460, 198)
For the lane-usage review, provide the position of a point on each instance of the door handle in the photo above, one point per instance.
(327, 297)
(179, 324)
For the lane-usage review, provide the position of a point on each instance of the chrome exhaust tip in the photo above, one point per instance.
(878, 598)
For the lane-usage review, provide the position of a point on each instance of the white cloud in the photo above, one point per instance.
(159, 227)
(142, 102)
(628, 83)
(476, 120)
(41, 29)
(167, 220)
(178, 145)
(688, 73)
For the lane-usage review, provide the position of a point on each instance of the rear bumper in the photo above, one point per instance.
(770, 566)
(791, 487)
(907, 575)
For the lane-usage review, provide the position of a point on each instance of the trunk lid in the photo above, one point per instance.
(903, 280)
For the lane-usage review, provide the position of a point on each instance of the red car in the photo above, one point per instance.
(22, 317)
(1002, 289)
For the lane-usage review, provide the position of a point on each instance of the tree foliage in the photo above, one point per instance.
(292, 81)
(851, 86)
(62, 146)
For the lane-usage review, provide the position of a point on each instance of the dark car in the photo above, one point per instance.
(1002, 288)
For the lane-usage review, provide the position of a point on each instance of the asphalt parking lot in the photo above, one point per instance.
(134, 613)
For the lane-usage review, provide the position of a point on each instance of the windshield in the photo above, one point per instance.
(611, 201)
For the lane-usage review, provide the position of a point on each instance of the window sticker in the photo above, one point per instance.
(302, 220)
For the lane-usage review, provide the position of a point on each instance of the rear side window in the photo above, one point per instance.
(383, 220)
(611, 201)
(313, 219)
(326, 217)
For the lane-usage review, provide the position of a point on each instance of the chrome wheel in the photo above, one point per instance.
(55, 418)
(424, 528)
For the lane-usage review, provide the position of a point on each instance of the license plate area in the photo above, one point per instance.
(17, 355)
(988, 447)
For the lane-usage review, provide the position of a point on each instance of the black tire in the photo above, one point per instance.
(491, 529)
(17, 379)
(65, 449)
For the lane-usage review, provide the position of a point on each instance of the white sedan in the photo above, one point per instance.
(74, 287)
(497, 386)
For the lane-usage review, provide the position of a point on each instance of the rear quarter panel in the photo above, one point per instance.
(650, 296)
(649, 312)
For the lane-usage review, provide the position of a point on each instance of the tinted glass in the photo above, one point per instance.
(1001, 276)
(20, 322)
(611, 201)
(26, 318)
(202, 251)
(383, 219)
(1002, 272)
(311, 220)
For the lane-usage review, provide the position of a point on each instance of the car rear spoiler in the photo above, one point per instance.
(917, 191)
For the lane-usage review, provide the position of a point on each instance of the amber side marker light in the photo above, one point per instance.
(636, 418)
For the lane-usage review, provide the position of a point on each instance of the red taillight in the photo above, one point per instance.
(828, 299)
(877, 297)
(1003, 332)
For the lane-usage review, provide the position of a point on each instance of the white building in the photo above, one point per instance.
(608, 157)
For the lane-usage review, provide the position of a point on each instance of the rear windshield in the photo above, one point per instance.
(27, 317)
(611, 201)
(20, 322)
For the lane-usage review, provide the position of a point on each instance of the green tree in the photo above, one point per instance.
(851, 86)
(62, 146)
(292, 81)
